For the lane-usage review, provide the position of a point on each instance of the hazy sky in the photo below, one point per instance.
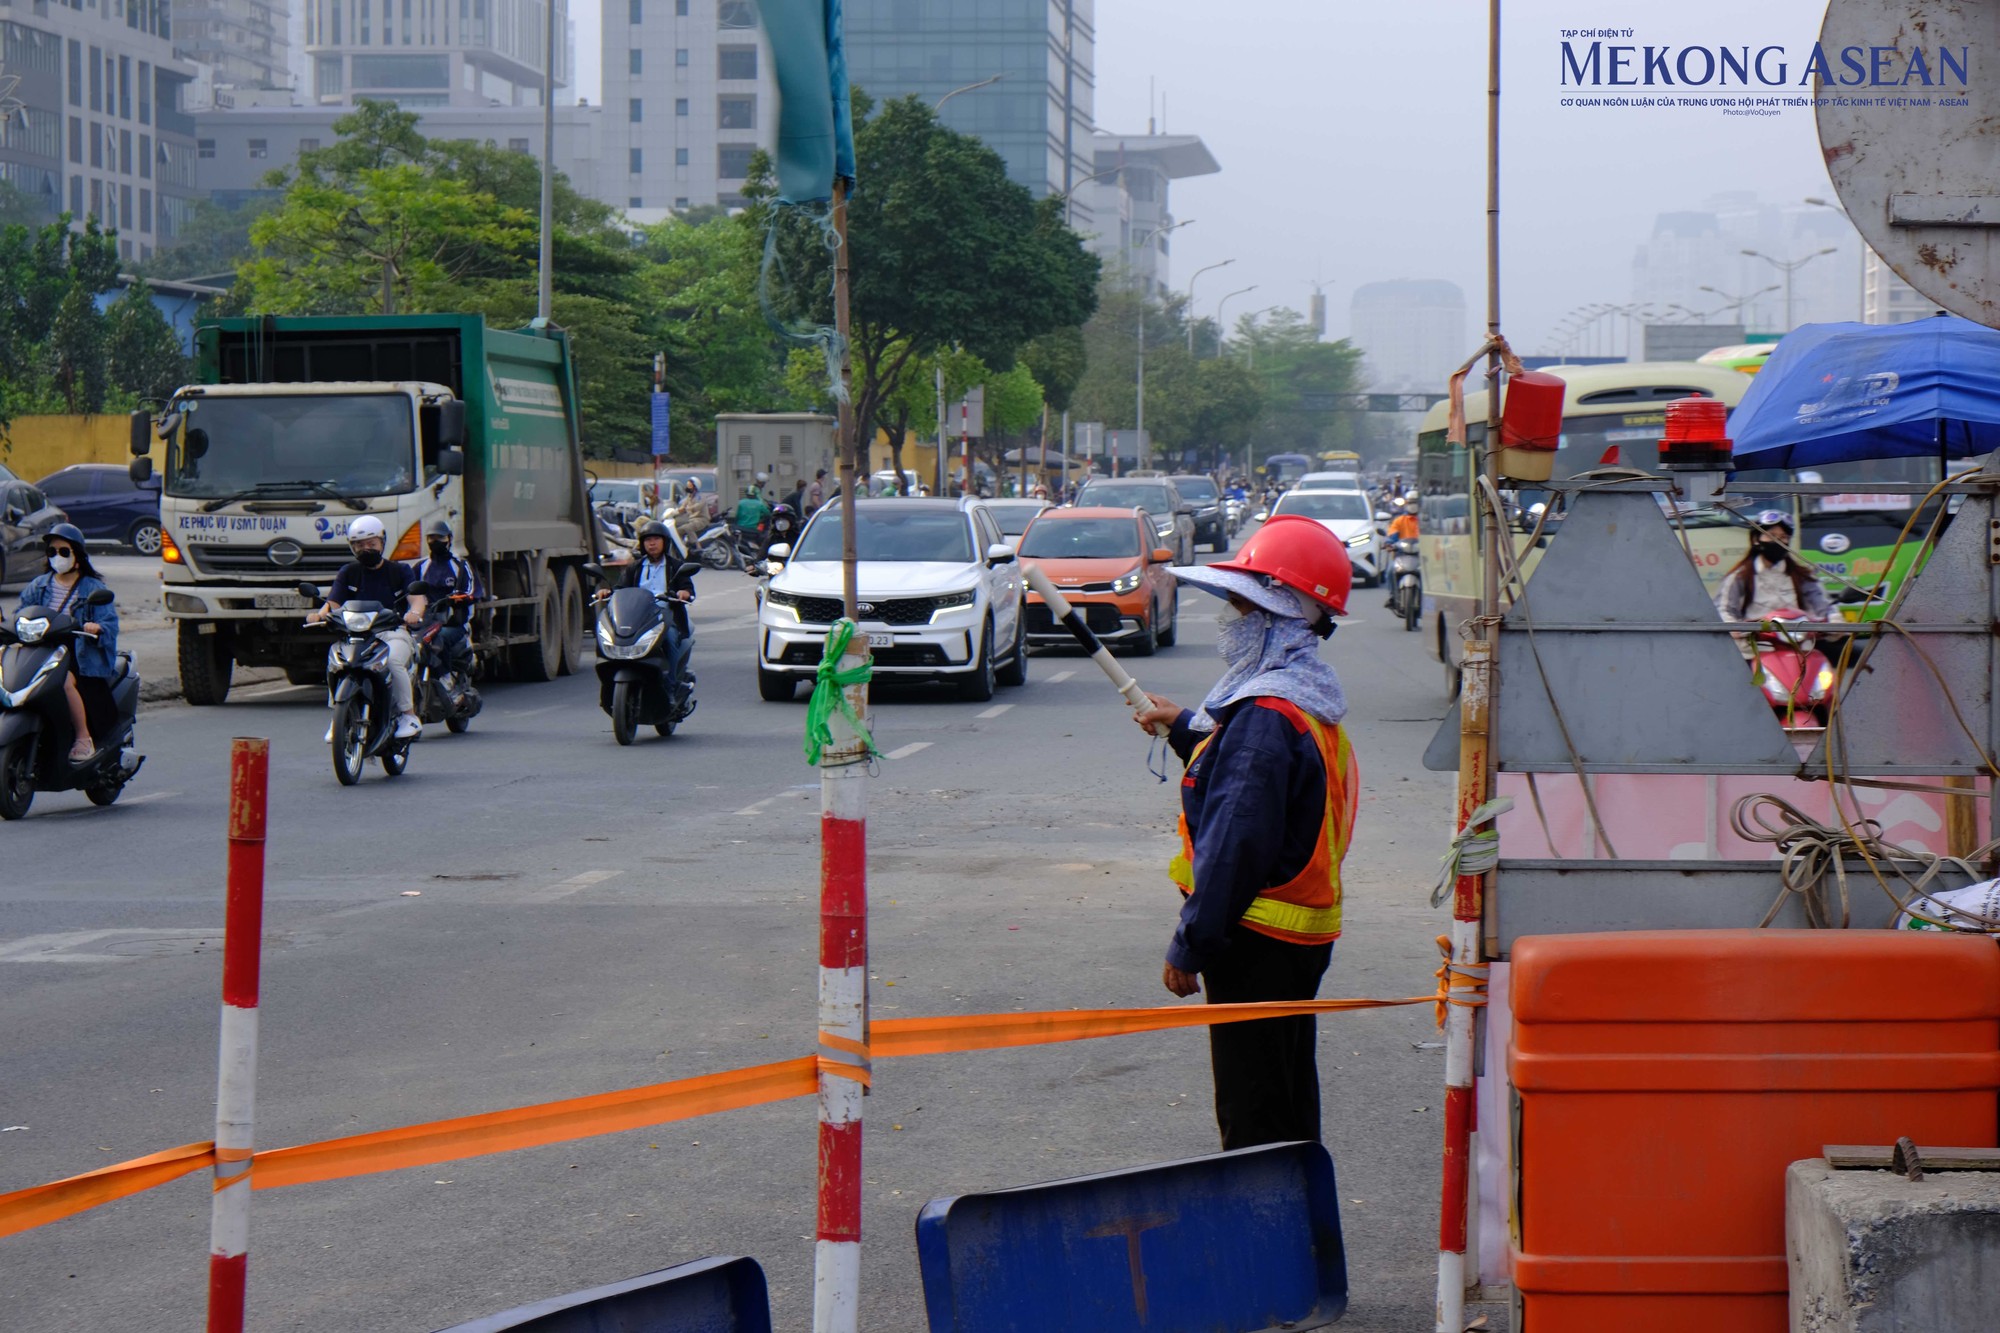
(1352, 142)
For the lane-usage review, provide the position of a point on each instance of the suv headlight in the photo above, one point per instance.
(1360, 539)
(776, 598)
(1128, 582)
(946, 601)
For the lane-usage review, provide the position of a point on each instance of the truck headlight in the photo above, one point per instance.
(1128, 582)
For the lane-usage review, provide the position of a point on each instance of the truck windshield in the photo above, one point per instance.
(295, 444)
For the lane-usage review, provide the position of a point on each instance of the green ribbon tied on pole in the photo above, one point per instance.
(1474, 851)
(830, 694)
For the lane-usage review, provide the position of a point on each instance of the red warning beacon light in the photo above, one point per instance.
(1697, 438)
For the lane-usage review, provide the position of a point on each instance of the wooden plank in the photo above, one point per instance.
(1857, 1157)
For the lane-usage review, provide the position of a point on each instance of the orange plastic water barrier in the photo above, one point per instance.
(632, 1108)
(1667, 1078)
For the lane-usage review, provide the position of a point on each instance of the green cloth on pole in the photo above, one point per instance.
(829, 693)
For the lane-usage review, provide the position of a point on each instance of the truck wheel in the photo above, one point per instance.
(542, 659)
(205, 664)
(571, 624)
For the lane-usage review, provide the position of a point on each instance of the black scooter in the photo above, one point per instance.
(643, 645)
(35, 729)
(358, 689)
(442, 694)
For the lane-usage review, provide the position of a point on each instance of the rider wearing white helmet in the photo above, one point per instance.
(1770, 578)
(371, 577)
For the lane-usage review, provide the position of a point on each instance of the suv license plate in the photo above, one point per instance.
(881, 641)
(282, 601)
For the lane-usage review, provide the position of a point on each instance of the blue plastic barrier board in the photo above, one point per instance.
(1237, 1242)
(706, 1296)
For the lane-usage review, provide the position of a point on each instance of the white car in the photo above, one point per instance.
(1329, 481)
(940, 598)
(1349, 516)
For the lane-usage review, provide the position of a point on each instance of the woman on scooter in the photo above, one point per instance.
(1770, 578)
(65, 587)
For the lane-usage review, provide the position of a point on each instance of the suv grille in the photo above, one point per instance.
(894, 611)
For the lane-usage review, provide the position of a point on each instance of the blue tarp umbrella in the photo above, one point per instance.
(1840, 393)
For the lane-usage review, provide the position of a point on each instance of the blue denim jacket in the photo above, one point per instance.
(97, 657)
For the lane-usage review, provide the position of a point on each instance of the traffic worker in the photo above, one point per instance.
(1267, 805)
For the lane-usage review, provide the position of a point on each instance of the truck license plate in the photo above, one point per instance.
(282, 601)
(881, 641)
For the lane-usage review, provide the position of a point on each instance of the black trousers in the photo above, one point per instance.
(1266, 1072)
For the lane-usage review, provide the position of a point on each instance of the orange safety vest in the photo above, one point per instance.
(1306, 908)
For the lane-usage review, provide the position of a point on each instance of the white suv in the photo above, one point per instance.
(1348, 515)
(939, 590)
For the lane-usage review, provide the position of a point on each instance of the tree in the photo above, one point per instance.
(74, 356)
(51, 333)
(1292, 362)
(943, 250)
(142, 351)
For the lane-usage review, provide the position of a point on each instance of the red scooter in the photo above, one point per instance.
(1795, 676)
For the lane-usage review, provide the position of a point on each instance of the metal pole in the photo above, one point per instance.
(236, 1075)
(1065, 455)
(843, 939)
(1475, 770)
(940, 433)
(544, 289)
(965, 445)
(1139, 427)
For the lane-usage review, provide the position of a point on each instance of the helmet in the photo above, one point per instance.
(68, 532)
(366, 526)
(437, 529)
(1300, 554)
(1776, 518)
(653, 528)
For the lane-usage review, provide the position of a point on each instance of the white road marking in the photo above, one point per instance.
(995, 711)
(574, 884)
(757, 808)
(141, 943)
(532, 712)
(1060, 677)
(905, 751)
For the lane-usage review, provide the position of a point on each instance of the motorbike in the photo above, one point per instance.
(725, 546)
(642, 670)
(1406, 581)
(35, 728)
(1795, 677)
(358, 688)
(442, 694)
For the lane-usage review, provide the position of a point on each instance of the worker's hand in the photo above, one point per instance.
(413, 617)
(1163, 713)
(93, 627)
(1180, 983)
(684, 595)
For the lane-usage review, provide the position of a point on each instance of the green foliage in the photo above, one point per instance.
(215, 242)
(143, 353)
(52, 336)
(73, 358)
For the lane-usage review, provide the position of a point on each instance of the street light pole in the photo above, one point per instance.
(1250, 345)
(1861, 267)
(1190, 305)
(1240, 291)
(1732, 301)
(1789, 267)
(545, 283)
(1141, 451)
(983, 83)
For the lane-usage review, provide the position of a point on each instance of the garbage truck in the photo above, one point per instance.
(298, 426)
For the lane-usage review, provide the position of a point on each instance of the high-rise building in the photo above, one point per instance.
(431, 53)
(1411, 332)
(688, 97)
(240, 43)
(1887, 299)
(100, 129)
(1123, 205)
(1709, 262)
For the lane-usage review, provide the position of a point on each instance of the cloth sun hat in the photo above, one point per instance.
(1277, 599)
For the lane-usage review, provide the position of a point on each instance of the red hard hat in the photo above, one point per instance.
(1301, 554)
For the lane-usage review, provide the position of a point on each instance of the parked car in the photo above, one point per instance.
(1109, 566)
(1211, 521)
(103, 500)
(704, 477)
(1349, 516)
(1014, 516)
(627, 500)
(939, 598)
(1173, 516)
(25, 518)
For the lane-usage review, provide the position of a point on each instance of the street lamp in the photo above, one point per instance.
(1251, 343)
(1862, 267)
(1224, 263)
(1240, 291)
(1732, 301)
(1789, 267)
(1144, 454)
(983, 83)
(1068, 196)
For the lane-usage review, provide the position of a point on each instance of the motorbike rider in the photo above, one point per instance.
(691, 514)
(753, 511)
(450, 575)
(65, 587)
(1402, 528)
(370, 577)
(658, 571)
(1770, 578)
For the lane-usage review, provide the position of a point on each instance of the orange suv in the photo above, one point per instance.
(1109, 567)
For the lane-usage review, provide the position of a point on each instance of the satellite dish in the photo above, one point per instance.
(1917, 180)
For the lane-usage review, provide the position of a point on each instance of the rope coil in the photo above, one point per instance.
(1474, 849)
(1461, 984)
(830, 696)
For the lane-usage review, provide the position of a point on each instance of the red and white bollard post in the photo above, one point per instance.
(843, 1011)
(236, 1078)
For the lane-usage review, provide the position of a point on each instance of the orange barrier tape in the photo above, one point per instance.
(633, 1108)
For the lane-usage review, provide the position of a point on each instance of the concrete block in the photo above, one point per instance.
(1873, 1252)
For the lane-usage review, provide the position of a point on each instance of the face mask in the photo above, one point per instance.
(368, 559)
(1241, 638)
(1771, 551)
(1227, 616)
(440, 551)
(62, 562)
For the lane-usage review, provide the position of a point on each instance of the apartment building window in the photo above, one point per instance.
(736, 113)
(96, 79)
(680, 157)
(635, 110)
(637, 14)
(635, 162)
(76, 139)
(204, 148)
(681, 8)
(681, 202)
(736, 62)
(308, 145)
(76, 196)
(732, 160)
(145, 210)
(735, 14)
(518, 145)
(125, 152)
(145, 93)
(96, 145)
(327, 72)
(145, 157)
(125, 204)
(96, 198)
(680, 106)
(76, 73)
(259, 149)
(635, 202)
(125, 87)
(680, 57)
(635, 62)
